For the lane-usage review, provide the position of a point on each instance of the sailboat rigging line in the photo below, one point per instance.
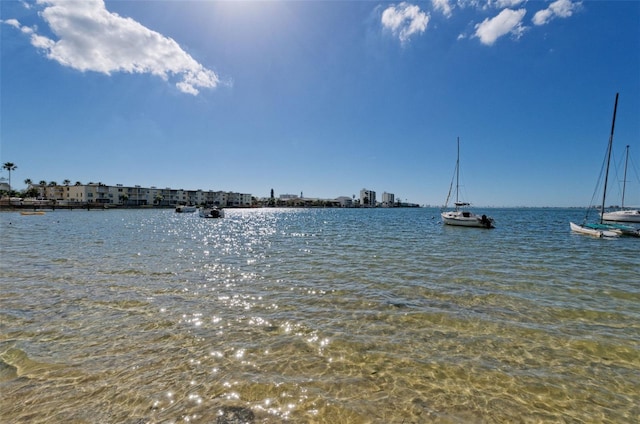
(624, 179)
(606, 176)
(634, 168)
(456, 176)
(629, 170)
(458, 173)
(607, 161)
(446, 203)
(597, 190)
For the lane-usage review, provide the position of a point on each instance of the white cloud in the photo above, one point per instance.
(404, 20)
(13, 22)
(542, 17)
(559, 8)
(443, 6)
(16, 24)
(501, 4)
(90, 38)
(485, 5)
(27, 30)
(506, 22)
(41, 42)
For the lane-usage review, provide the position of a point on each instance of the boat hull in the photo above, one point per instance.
(594, 232)
(622, 216)
(211, 213)
(185, 209)
(466, 219)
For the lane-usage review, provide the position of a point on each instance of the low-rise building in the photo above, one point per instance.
(121, 195)
(345, 201)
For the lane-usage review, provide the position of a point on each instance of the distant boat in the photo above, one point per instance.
(593, 230)
(32, 213)
(623, 215)
(602, 229)
(458, 216)
(186, 209)
(211, 213)
(626, 215)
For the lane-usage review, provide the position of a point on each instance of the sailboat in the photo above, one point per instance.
(459, 216)
(602, 229)
(623, 215)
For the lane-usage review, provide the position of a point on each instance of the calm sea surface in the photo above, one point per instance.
(315, 316)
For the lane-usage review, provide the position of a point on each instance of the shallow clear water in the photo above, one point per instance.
(315, 316)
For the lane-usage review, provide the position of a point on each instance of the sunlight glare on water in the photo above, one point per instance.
(315, 315)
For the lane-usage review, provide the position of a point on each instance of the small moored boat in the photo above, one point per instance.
(466, 219)
(626, 215)
(211, 213)
(185, 209)
(590, 230)
(459, 216)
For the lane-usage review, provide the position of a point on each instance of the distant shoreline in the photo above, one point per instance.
(5, 207)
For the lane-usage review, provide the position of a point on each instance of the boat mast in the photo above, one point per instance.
(457, 172)
(624, 180)
(606, 175)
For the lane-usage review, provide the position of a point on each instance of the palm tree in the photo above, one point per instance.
(66, 182)
(29, 191)
(9, 166)
(43, 190)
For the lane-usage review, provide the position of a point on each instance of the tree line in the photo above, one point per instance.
(31, 190)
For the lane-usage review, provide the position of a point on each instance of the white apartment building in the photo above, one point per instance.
(138, 196)
(388, 200)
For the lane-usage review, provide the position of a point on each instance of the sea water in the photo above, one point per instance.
(315, 316)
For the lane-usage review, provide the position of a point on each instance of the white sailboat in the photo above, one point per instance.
(602, 229)
(459, 216)
(623, 215)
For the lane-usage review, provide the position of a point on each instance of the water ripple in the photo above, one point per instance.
(321, 315)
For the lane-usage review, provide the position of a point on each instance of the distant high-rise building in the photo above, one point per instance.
(367, 198)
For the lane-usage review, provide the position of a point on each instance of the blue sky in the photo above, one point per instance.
(324, 97)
